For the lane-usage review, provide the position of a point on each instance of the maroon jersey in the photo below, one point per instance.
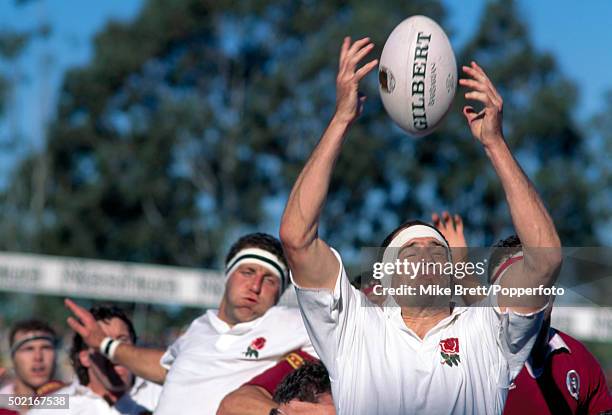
(272, 377)
(571, 382)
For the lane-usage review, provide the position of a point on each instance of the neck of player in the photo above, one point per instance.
(422, 319)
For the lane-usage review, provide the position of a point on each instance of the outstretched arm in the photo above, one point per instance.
(533, 224)
(312, 263)
(141, 361)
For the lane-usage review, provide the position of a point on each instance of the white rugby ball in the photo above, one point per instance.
(417, 75)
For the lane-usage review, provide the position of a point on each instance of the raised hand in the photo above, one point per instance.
(349, 103)
(486, 125)
(86, 325)
(452, 229)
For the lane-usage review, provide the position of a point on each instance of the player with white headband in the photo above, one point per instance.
(427, 358)
(223, 348)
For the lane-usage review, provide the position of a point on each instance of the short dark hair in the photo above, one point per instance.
(257, 240)
(408, 224)
(102, 313)
(304, 384)
(501, 251)
(30, 325)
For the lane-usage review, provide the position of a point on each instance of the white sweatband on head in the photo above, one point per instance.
(408, 234)
(416, 231)
(404, 236)
(260, 257)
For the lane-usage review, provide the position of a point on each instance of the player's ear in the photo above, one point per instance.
(84, 358)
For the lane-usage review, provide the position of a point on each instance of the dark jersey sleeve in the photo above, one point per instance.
(272, 377)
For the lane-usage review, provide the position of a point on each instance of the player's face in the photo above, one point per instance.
(421, 261)
(34, 361)
(251, 290)
(118, 330)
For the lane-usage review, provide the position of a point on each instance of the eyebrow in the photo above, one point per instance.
(412, 244)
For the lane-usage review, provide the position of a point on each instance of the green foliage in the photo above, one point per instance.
(191, 123)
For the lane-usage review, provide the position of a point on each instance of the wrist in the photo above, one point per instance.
(495, 145)
(108, 347)
(339, 120)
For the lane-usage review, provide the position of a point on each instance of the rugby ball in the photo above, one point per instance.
(417, 75)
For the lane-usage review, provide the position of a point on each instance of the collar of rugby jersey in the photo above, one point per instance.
(222, 327)
(394, 314)
(555, 343)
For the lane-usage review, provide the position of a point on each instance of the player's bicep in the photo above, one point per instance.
(313, 266)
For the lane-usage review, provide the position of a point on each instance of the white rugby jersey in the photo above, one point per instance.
(212, 359)
(464, 365)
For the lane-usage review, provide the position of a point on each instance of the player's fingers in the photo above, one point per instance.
(458, 223)
(357, 45)
(343, 50)
(76, 326)
(361, 53)
(471, 114)
(365, 69)
(435, 219)
(474, 73)
(487, 80)
(472, 84)
(77, 310)
(448, 220)
(481, 97)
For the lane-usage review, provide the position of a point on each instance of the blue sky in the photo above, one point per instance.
(579, 37)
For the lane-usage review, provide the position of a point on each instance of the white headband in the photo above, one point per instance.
(260, 257)
(406, 235)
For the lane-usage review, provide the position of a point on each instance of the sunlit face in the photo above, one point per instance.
(426, 249)
(34, 361)
(250, 291)
(428, 255)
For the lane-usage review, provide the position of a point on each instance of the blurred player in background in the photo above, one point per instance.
(224, 348)
(560, 376)
(33, 354)
(101, 387)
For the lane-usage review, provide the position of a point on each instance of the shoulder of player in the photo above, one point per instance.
(577, 349)
(284, 315)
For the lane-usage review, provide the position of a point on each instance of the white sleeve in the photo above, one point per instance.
(514, 333)
(333, 319)
(170, 355)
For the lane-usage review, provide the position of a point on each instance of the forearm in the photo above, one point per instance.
(247, 400)
(299, 225)
(531, 220)
(141, 361)
(300, 220)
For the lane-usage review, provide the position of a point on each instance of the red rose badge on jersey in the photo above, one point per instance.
(255, 347)
(449, 350)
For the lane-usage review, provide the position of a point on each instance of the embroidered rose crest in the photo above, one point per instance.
(256, 345)
(449, 350)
